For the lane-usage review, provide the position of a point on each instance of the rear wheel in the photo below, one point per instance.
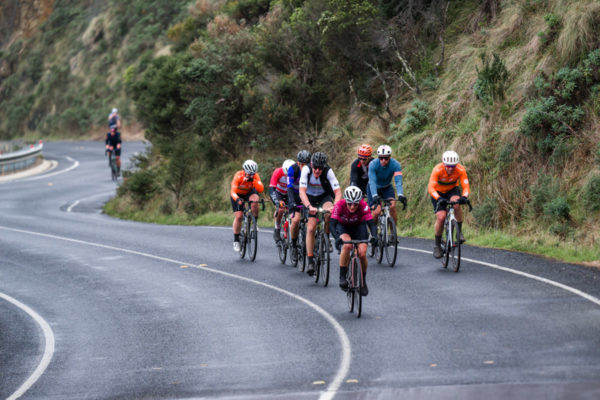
(351, 292)
(282, 244)
(391, 248)
(318, 252)
(455, 250)
(302, 247)
(252, 238)
(359, 284)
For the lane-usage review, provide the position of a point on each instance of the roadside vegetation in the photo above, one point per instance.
(513, 86)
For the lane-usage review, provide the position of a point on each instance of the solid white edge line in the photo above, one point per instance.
(578, 292)
(72, 205)
(48, 347)
(346, 360)
(72, 167)
(76, 202)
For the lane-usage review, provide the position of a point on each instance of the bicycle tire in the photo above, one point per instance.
(351, 292)
(326, 260)
(252, 238)
(282, 248)
(381, 227)
(113, 169)
(359, 284)
(445, 246)
(243, 238)
(318, 253)
(455, 251)
(302, 248)
(391, 248)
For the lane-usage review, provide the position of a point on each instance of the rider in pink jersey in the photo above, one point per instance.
(349, 220)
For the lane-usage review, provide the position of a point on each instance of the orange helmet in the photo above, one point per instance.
(365, 150)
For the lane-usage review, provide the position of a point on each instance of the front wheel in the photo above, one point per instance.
(302, 248)
(382, 236)
(252, 237)
(282, 244)
(446, 244)
(359, 285)
(351, 292)
(324, 258)
(391, 248)
(243, 238)
(455, 250)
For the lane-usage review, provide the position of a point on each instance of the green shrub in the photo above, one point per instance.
(557, 208)
(591, 193)
(491, 80)
(486, 214)
(142, 185)
(416, 118)
(543, 192)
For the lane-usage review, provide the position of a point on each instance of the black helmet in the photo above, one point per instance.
(303, 156)
(319, 160)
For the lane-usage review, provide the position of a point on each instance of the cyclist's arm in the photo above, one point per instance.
(258, 185)
(398, 178)
(273, 196)
(333, 223)
(335, 185)
(354, 174)
(235, 183)
(372, 227)
(464, 180)
(431, 188)
(118, 146)
(373, 166)
(303, 186)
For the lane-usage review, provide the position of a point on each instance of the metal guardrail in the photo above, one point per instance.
(19, 160)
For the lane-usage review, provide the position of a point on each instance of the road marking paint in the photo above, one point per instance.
(433, 365)
(490, 362)
(352, 381)
(184, 266)
(48, 347)
(318, 382)
(346, 359)
(72, 205)
(76, 202)
(578, 292)
(72, 167)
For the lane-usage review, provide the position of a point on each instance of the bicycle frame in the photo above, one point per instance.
(355, 278)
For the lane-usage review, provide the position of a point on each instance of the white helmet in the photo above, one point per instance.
(384, 150)
(286, 164)
(450, 158)
(250, 167)
(352, 194)
(114, 110)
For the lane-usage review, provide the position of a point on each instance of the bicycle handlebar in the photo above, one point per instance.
(387, 202)
(453, 203)
(354, 241)
(261, 201)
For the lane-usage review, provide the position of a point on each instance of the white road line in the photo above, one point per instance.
(346, 360)
(48, 347)
(578, 292)
(72, 205)
(76, 202)
(72, 167)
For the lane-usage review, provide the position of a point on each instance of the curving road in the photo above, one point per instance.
(92, 307)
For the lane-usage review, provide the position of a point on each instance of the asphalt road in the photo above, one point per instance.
(93, 307)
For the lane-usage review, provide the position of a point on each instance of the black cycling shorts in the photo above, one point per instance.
(455, 191)
(234, 204)
(356, 232)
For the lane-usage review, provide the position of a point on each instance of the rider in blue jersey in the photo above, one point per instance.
(381, 172)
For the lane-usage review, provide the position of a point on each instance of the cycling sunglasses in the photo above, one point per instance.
(384, 157)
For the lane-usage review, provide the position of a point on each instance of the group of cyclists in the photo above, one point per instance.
(309, 183)
(113, 138)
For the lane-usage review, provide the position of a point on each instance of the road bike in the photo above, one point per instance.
(386, 234)
(249, 232)
(112, 164)
(450, 243)
(355, 278)
(285, 238)
(300, 259)
(321, 250)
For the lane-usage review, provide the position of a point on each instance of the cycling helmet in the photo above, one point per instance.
(365, 150)
(384, 150)
(352, 194)
(286, 165)
(114, 110)
(250, 167)
(450, 158)
(303, 156)
(319, 160)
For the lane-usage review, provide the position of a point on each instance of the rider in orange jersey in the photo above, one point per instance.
(245, 186)
(443, 187)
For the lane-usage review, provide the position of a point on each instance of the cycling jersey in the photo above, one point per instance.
(113, 140)
(325, 183)
(381, 177)
(241, 186)
(279, 181)
(441, 181)
(113, 120)
(342, 214)
(359, 175)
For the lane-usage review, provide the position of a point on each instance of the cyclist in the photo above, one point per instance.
(245, 186)
(294, 202)
(278, 193)
(349, 221)
(113, 143)
(381, 172)
(443, 187)
(359, 170)
(318, 187)
(114, 119)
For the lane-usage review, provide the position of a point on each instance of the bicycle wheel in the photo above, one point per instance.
(351, 292)
(318, 252)
(282, 244)
(391, 248)
(252, 237)
(302, 247)
(381, 227)
(113, 169)
(445, 247)
(455, 250)
(243, 238)
(325, 259)
(358, 287)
